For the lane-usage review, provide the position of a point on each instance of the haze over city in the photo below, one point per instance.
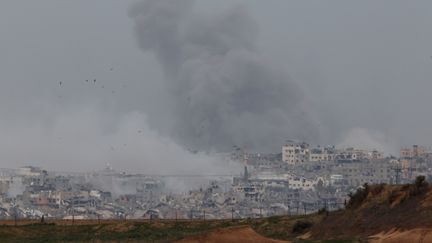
(253, 121)
(143, 85)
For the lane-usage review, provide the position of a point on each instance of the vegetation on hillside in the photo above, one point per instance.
(134, 231)
(379, 208)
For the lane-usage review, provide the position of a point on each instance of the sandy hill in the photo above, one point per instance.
(383, 211)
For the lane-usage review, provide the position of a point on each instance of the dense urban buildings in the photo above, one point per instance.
(300, 179)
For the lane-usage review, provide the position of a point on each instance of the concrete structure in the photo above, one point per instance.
(300, 183)
(294, 152)
(30, 171)
(322, 154)
(336, 179)
(358, 173)
(415, 151)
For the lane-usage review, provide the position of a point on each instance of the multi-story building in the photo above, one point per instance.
(415, 151)
(354, 154)
(30, 171)
(375, 154)
(303, 183)
(358, 173)
(294, 152)
(322, 154)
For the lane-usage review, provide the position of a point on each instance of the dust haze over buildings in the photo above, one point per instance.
(326, 72)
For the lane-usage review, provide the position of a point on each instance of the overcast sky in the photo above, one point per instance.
(356, 73)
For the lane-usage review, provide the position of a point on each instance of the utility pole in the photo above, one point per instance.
(204, 214)
(325, 204)
(73, 211)
(232, 214)
(287, 201)
(397, 170)
(15, 212)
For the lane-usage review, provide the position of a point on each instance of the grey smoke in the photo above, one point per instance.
(219, 90)
(16, 187)
(364, 66)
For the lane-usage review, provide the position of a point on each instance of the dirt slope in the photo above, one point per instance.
(390, 213)
(420, 235)
(233, 234)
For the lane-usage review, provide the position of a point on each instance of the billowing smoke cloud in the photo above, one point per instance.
(371, 72)
(220, 91)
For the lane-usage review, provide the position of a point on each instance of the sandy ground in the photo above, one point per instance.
(242, 234)
(419, 235)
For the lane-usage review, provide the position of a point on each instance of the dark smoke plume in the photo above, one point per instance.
(220, 90)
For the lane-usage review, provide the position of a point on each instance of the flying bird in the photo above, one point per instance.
(60, 83)
(94, 80)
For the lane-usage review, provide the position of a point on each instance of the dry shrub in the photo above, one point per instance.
(301, 226)
(420, 186)
(358, 197)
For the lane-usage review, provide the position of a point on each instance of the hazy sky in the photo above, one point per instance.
(354, 73)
